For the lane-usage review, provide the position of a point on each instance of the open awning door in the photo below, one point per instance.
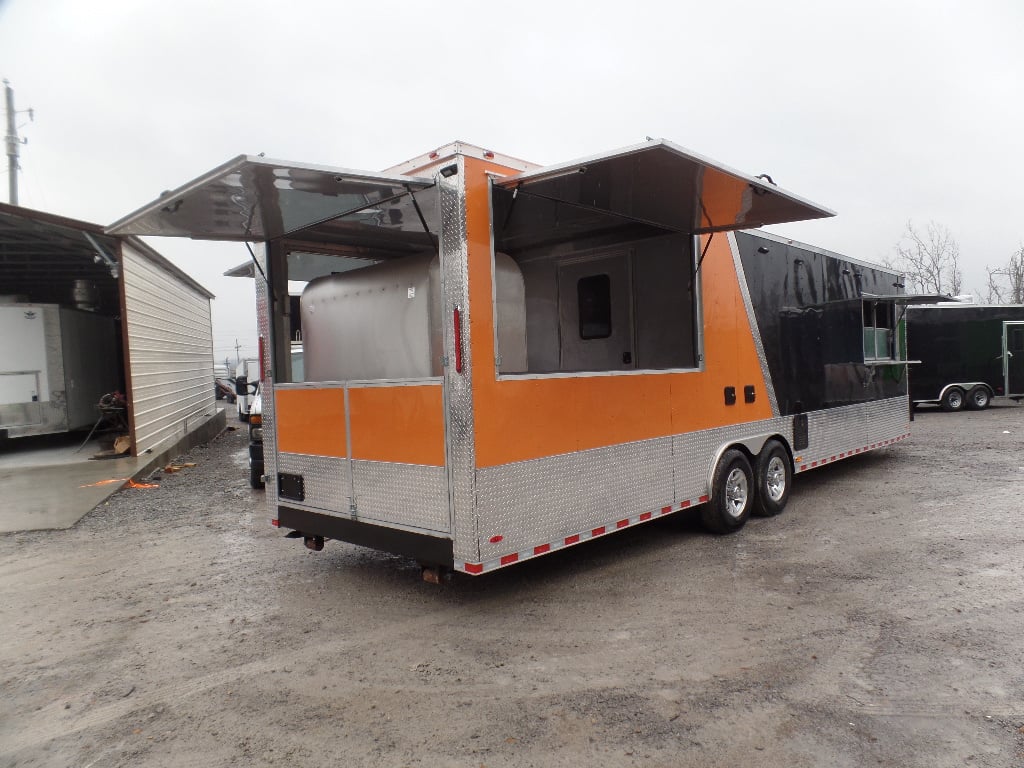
(665, 185)
(257, 199)
(912, 299)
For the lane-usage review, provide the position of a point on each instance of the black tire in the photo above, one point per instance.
(256, 478)
(774, 473)
(732, 494)
(979, 398)
(953, 400)
(243, 416)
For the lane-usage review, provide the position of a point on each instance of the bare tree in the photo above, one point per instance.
(1006, 283)
(930, 260)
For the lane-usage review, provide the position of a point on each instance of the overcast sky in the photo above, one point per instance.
(883, 111)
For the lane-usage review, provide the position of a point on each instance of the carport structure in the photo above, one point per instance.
(163, 361)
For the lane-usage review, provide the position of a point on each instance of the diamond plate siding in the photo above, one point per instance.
(535, 501)
(325, 479)
(458, 390)
(406, 494)
(853, 427)
(543, 500)
(267, 383)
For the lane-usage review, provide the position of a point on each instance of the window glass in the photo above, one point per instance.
(878, 324)
(594, 296)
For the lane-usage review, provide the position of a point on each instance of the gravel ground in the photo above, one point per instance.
(878, 621)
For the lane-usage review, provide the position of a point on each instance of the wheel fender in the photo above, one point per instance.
(750, 445)
(964, 385)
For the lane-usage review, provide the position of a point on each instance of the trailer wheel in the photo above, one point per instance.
(953, 400)
(774, 479)
(978, 399)
(732, 494)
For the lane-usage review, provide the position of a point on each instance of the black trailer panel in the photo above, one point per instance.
(964, 348)
(816, 313)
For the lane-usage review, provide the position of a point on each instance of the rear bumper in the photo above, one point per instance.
(430, 550)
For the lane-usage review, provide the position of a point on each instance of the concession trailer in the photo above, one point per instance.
(502, 360)
(965, 354)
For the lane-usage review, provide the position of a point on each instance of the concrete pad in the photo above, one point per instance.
(41, 482)
(52, 482)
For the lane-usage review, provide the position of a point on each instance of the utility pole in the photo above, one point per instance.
(238, 354)
(13, 143)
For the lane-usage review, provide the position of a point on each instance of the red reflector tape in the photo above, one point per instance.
(572, 539)
(702, 499)
(598, 531)
(645, 516)
(276, 523)
(510, 558)
(622, 523)
(541, 549)
(666, 510)
(474, 568)
(685, 504)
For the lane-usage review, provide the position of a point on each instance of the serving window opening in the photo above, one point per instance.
(358, 297)
(601, 292)
(880, 342)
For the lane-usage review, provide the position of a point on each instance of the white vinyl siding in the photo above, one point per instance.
(169, 352)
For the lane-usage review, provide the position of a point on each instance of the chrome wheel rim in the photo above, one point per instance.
(981, 398)
(955, 399)
(775, 479)
(736, 492)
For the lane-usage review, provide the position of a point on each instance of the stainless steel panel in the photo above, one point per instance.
(255, 199)
(170, 351)
(325, 478)
(666, 185)
(408, 494)
(380, 322)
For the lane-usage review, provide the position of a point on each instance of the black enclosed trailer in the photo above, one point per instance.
(967, 354)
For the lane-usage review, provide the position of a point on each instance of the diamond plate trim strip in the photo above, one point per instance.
(458, 392)
(267, 383)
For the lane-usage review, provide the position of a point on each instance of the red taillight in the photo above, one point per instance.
(457, 326)
(276, 523)
(263, 370)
